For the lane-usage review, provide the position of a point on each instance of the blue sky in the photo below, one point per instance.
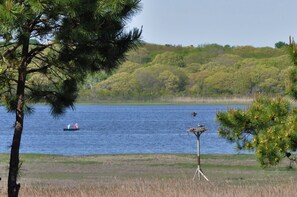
(258, 23)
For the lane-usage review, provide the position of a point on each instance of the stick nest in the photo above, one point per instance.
(197, 130)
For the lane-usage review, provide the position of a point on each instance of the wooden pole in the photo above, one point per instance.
(198, 156)
(199, 170)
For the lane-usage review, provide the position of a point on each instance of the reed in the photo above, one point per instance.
(206, 100)
(166, 188)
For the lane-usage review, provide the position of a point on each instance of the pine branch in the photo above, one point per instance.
(36, 51)
(9, 51)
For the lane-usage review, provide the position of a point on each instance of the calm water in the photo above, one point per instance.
(117, 129)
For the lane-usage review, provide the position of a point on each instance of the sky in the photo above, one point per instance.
(258, 23)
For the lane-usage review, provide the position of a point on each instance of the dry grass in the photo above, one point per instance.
(162, 188)
(149, 175)
(207, 100)
(182, 100)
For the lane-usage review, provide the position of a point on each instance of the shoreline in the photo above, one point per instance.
(173, 101)
(2, 154)
(164, 101)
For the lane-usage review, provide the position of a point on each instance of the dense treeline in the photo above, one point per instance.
(269, 125)
(153, 71)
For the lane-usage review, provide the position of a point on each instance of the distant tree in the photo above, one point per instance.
(147, 81)
(120, 85)
(169, 58)
(252, 52)
(245, 70)
(280, 44)
(203, 54)
(75, 37)
(220, 83)
(140, 56)
(169, 81)
(128, 67)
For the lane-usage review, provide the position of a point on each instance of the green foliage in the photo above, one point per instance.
(58, 42)
(252, 52)
(219, 83)
(203, 54)
(121, 84)
(140, 56)
(268, 127)
(292, 86)
(48, 48)
(169, 58)
(280, 44)
(203, 71)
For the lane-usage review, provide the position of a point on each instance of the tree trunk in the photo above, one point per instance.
(13, 186)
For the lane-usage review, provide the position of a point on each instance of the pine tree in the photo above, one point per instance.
(47, 48)
(292, 87)
(268, 126)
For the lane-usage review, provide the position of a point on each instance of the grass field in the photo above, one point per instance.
(149, 175)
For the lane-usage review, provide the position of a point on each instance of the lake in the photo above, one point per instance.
(117, 129)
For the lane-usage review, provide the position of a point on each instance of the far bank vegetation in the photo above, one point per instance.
(206, 71)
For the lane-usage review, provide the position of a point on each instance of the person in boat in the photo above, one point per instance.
(76, 126)
(68, 126)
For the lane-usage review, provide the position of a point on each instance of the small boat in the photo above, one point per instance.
(71, 129)
(74, 128)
